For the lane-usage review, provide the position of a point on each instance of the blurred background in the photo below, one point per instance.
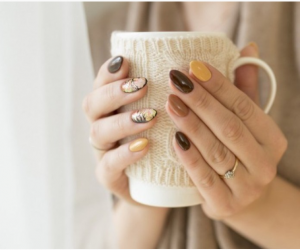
(49, 197)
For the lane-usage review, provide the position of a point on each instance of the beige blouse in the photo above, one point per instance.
(273, 26)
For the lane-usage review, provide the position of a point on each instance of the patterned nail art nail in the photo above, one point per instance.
(134, 84)
(144, 115)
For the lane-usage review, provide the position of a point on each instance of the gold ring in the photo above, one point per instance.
(90, 141)
(230, 173)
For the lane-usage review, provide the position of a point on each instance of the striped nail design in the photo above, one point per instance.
(134, 84)
(144, 115)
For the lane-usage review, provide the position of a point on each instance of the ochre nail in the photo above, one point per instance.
(181, 81)
(200, 71)
(143, 115)
(138, 144)
(178, 106)
(182, 141)
(115, 64)
(134, 84)
(254, 45)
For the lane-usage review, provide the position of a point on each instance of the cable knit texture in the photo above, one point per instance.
(153, 58)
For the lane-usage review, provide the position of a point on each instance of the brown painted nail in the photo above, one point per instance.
(181, 81)
(115, 64)
(178, 106)
(143, 115)
(134, 84)
(138, 144)
(182, 141)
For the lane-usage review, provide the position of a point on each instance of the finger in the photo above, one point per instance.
(106, 131)
(246, 76)
(110, 97)
(110, 170)
(214, 152)
(222, 122)
(259, 124)
(113, 69)
(209, 184)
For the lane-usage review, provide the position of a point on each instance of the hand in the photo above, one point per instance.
(219, 124)
(111, 91)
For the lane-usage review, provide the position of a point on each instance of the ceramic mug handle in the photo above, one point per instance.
(258, 62)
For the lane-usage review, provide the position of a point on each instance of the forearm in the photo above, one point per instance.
(273, 221)
(138, 226)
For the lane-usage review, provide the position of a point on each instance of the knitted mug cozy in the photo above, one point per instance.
(153, 57)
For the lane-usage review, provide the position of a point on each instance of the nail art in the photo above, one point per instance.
(115, 64)
(181, 81)
(182, 141)
(138, 144)
(200, 71)
(134, 84)
(178, 106)
(144, 115)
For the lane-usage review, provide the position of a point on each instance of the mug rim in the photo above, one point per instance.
(159, 34)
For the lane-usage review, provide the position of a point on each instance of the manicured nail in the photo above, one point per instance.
(143, 115)
(200, 71)
(181, 81)
(134, 84)
(115, 64)
(138, 144)
(178, 106)
(182, 141)
(254, 45)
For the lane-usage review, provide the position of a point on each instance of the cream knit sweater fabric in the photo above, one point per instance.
(153, 58)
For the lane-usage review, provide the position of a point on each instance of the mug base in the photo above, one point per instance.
(161, 196)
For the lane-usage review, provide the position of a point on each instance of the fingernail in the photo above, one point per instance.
(177, 106)
(134, 84)
(143, 115)
(181, 81)
(115, 64)
(182, 141)
(255, 47)
(200, 71)
(138, 144)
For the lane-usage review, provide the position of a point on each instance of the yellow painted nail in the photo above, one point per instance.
(138, 144)
(254, 45)
(200, 71)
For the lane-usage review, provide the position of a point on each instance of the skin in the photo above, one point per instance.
(224, 121)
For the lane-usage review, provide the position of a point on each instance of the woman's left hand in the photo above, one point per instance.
(220, 123)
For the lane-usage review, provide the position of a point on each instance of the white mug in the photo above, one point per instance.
(159, 179)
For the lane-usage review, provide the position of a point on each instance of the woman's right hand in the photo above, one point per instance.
(112, 89)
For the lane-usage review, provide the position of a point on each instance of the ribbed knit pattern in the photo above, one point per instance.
(153, 58)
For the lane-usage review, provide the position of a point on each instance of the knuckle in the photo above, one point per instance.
(269, 170)
(202, 100)
(283, 144)
(195, 128)
(207, 180)
(233, 130)
(220, 85)
(244, 108)
(120, 124)
(270, 174)
(86, 104)
(219, 154)
(193, 163)
(110, 92)
(95, 131)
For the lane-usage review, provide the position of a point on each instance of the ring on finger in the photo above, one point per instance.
(92, 144)
(230, 173)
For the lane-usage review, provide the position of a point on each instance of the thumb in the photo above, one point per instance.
(246, 76)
